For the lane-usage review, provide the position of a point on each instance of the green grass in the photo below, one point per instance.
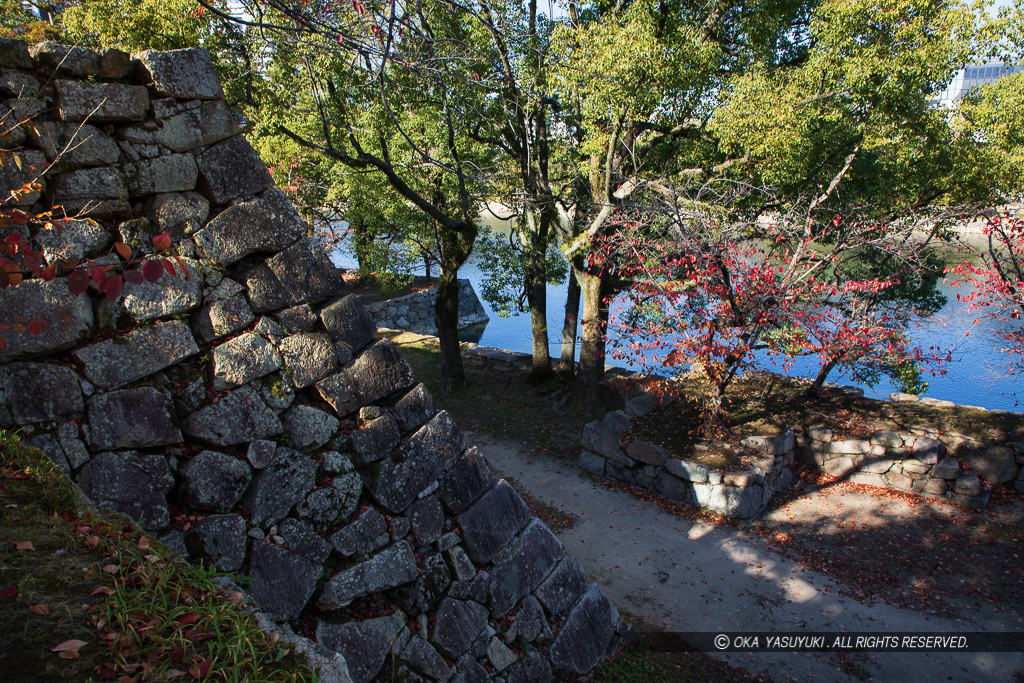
(139, 613)
(506, 405)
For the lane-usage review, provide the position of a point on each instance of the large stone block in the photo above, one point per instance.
(367, 533)
(231, 169)
(417, 464)
(18, 84)
(243, 359)
(392, 567)
(415, 408)
(132, 418)
(219, 540)
(71, 240)
(301, 273)
(377, 373)
(308, 428)
(222, 317)
(174, 173)
(301, 538)
(14, 54)
(282, 581)
(88, 184)
(101, 102)
(349, 322)
(267, 223)
(465, 480)
(115, 362)
(182, 132)
(214, 481)
(78, 145)
(308, 358)
(277, 489)
(490, 523)
(457, 625)
(563, 586)
(37, 392)
(239, 417)
(170, 295)
(364, 644)
(131, 485)
(186, 74)
(179, 214)
(602, 439)
(522, 566)
(66, 60)
(375, 440)
(586, 634)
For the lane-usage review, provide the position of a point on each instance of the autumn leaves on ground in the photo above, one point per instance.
(84, 596)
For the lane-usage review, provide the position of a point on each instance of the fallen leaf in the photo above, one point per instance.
(110, 568)
(8, 592)
(68, 649)
(143, 543)
(234, 597)
(41, 610)
(200, 669)
(24, 545)
(102, 590)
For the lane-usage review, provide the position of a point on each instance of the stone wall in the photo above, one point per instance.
(741, 494)
(247, 413)
(415, 312)
(920, 460)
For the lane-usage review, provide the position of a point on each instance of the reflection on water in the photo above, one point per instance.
(977, 375)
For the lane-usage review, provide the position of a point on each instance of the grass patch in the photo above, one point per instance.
(505, 405)
(118, 604)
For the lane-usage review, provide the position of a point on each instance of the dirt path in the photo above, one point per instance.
(687, 576)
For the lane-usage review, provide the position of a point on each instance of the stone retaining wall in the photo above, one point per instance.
(415, 312)
(248, 414)
(742, 494)
(920, 460)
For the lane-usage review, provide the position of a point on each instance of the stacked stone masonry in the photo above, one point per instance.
(415, 312)
(254, 395)
(920, 461)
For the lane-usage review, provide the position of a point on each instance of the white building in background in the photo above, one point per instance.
(971, 77)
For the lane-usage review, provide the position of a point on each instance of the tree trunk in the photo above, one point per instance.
(446, 317)
(819, 381)
(361, 243)
(712, 413)
(537, 296)
(594, 292)
(567, 363)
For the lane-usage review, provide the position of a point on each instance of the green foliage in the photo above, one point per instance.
(133, 25)
(504, 263)
(17, 21)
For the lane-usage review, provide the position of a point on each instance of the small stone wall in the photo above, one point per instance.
(741, 494)
(920, 460)
(247, 414)
(415, 312)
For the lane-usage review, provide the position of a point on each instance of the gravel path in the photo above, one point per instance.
(686, 576)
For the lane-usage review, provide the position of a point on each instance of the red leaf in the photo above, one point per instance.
(123, 250)
(190, 618)
(35, 327)
(162, 242)
(24, 545)
(78, 281)
(134, 277)
(200, 669)
(112, 287)
(169, 267)
(152, 270)
(49, 272)
(68, 649)
(97, 275)
(41, 610)
(102, 590)
(181, 265)
(8, 592)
